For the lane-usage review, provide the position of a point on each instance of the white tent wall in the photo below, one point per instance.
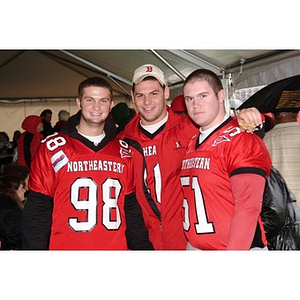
(267, 73)
(12, 114)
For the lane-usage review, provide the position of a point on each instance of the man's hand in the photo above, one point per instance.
(249, 119)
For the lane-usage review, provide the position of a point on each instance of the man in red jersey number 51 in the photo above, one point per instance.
(223, 173)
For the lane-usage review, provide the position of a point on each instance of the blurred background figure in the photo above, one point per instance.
(14, 143)
(18, 170)
(5, 144)
(46, 115)
(269, 121)
(6, 149)
(283, 143)
(12, 196)
(63, 117)
(178, 105)
(15, 138)
(132, 112)
(121, 116)
(29, 140)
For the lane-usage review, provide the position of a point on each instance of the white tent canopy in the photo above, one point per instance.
(43, 76)
(56, 73)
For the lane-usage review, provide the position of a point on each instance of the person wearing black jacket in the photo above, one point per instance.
(46, 115)
(280, 214)
(81, 188)
(12, 195)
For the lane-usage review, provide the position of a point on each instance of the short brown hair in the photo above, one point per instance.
(205, 75)
(94, 81)
(9, 185)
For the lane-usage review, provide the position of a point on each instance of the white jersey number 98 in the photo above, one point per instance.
(110, 201)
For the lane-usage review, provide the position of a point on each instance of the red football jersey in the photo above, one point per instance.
(205, 178)
(163, 152)
(88, 190)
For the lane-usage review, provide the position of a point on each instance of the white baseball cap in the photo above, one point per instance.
(148, 70)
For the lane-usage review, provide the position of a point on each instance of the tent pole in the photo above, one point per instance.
(108, 73)
(184, 54)
(118, 84)
(11, 59)
(168, 64)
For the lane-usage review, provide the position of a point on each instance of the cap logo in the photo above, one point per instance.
(149, 69)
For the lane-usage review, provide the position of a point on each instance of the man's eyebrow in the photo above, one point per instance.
(156, 90)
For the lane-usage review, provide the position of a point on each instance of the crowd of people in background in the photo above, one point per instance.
(283, 143)
(185, 177)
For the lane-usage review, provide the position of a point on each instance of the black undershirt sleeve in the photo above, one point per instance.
(136, 232)
(36, 222)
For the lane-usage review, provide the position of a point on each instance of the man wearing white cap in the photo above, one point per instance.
(160, 136)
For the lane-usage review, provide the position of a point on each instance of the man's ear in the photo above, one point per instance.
(167, 92)
(132, 97)
(111, 105)
(221, 95)
(78, 103)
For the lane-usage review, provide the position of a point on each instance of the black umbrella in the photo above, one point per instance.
(282, 95)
